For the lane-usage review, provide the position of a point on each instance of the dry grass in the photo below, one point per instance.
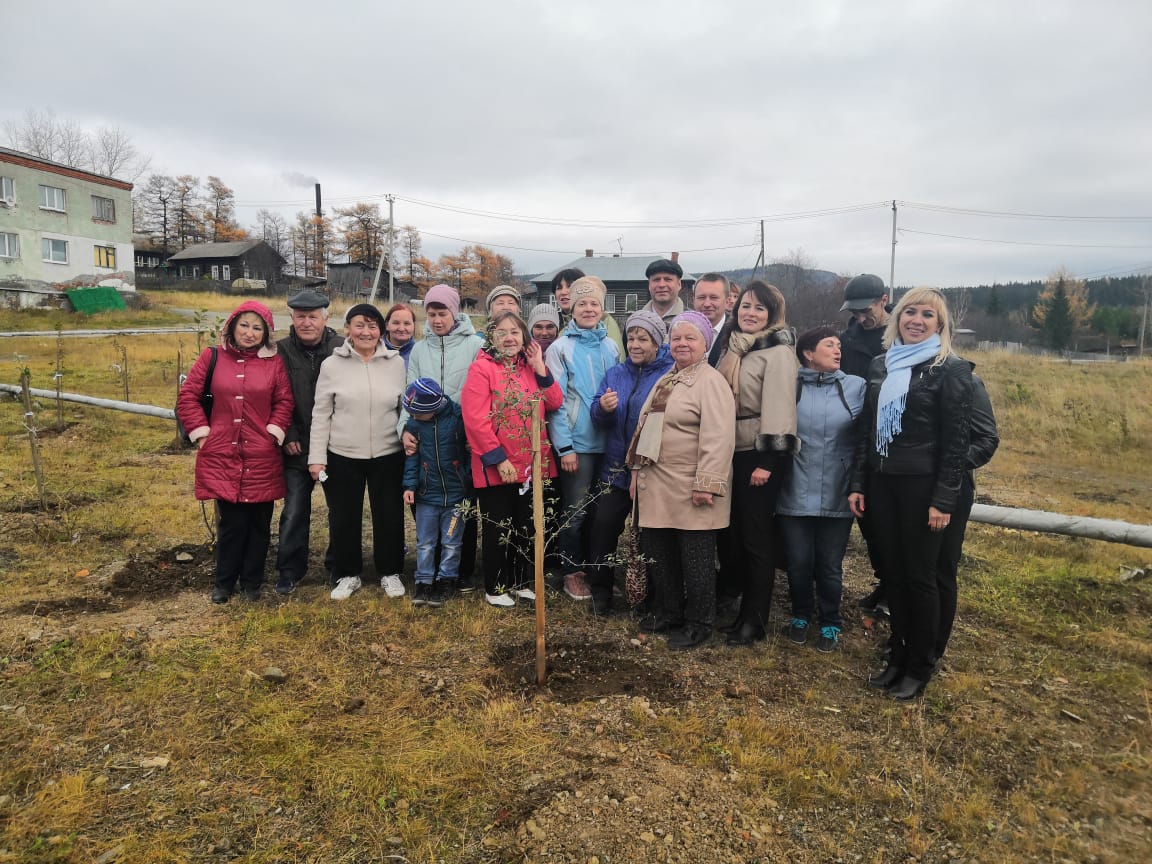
(416, 734)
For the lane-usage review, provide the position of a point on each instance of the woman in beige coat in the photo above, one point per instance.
(681, 459)
(760, 366)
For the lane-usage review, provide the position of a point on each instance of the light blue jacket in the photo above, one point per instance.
(826, 412)
(444, 359)
(578, 360)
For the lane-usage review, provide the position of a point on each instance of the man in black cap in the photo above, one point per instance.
(866, 298)
(664, 288)
(309, 341)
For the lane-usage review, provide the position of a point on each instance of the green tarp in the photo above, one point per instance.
(89, 300)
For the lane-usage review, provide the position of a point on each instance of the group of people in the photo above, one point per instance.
(734, 445)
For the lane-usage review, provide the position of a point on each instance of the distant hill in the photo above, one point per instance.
(785, 274)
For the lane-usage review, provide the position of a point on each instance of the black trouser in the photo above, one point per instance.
(899, 507)
(683, 574)
(508, 536)
(243, 533)
(296, 524)
(868, 533)
(751, 536)
(344, 490)
(948, 562)
(612, 509)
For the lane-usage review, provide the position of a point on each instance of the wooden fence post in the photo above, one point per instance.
(538, 524)
(30, 425)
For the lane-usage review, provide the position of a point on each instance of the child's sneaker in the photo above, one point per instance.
(503, 599)
(798, 631)
(421, 594)
(441, 592)
(829, 639)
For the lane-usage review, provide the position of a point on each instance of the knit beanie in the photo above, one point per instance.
(649, 321)
(445, 295)
(500, 291)
(699, 322)
(588, 286)
(423, 396)
(543, 312)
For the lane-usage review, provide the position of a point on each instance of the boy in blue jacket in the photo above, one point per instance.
(436, 482)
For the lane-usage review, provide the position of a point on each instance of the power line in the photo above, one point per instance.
(1026, 242)
(572, 251)
(1009, 214)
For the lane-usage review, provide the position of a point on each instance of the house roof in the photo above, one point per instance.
(28, 160)
(216, 250)
(608, 268)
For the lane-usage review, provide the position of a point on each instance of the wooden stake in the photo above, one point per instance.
(538, 524)
(30, 425)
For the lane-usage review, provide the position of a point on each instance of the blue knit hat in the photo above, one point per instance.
(423, 396)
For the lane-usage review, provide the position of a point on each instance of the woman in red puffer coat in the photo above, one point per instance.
(238, 460)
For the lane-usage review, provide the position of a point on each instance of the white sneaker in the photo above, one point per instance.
(392, 586)
(346, 586)
(525, 594)
(500, 599)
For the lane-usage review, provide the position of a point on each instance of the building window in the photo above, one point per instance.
(195, 271)
(105, 256)
(54, 251)
(9, 246)
(225, 272)
(103, 209)
(7, 188)
(610, 303)
(215, 272)
(52, 198)
(247, 274)
(183, 272)
(630, 302)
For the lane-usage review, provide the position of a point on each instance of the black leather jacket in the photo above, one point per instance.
(983, 436)
(936, 429)
(857, 348)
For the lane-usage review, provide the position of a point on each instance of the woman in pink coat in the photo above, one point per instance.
(506, 383)
(238, 460)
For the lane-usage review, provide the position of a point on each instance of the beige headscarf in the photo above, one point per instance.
(739, 344)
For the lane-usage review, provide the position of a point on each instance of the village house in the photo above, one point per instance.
(623, 277)
(61, 227)
(223, 262)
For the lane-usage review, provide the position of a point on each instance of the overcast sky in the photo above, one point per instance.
(668, 113)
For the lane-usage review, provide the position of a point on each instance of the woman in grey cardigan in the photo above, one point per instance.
(815, 519)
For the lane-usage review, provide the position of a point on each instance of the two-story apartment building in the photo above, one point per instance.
(61, 225)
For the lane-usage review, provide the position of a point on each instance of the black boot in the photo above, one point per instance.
(657, 623)
(907, 688)
(689, 636)
(746, 634)
(884, 680)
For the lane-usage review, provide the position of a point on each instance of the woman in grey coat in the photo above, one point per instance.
(815, 519)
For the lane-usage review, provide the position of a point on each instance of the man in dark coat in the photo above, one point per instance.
(866, 298)
(310, 340)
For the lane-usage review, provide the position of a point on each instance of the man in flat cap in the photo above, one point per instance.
(866, 299)
(309, 341)
(664, 288)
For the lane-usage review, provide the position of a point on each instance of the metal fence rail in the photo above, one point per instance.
(1109, 530)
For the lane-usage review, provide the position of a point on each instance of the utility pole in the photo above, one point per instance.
(380, 263)
(1144, 318)
(892, 262)
(391, 240)
(761, 259)
(319, 234)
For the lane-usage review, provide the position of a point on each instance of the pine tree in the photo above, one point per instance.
(994, 308)
(1058, 323)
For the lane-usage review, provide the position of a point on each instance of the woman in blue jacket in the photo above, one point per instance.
(578, 360)
(616, 410)
(815, 519)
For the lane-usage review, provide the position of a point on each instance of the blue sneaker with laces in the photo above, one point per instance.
(798, 631)
(829, 639)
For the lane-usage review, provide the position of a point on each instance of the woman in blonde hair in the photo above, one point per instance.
(910, 461)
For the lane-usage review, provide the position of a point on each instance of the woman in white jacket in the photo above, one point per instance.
(354, 445)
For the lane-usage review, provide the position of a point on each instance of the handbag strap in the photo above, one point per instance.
(208, 376)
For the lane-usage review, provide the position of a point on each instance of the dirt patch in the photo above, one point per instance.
(579, 671)
(163, 573)
(54, 503)
(66, 606)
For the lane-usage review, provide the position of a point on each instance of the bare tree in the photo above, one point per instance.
(154, 210)
(109, 150)
(272, 228)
